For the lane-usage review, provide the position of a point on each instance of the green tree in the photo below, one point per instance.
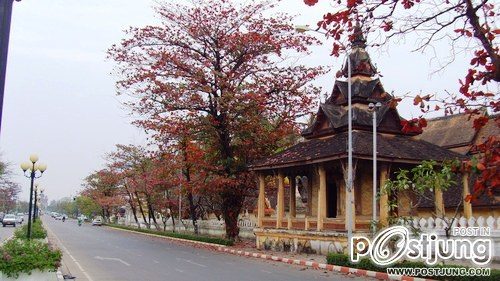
(87, 206)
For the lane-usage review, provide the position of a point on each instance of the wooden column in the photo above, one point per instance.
(280, 213)
(261, 205)
(384, 197)
(293, 207)
(291, 202)
(321, 197)
(438, 202)
(465, 193)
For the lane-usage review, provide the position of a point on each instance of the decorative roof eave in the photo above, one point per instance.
(403, 149)
(333, 158)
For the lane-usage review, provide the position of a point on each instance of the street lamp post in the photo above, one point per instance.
(350, 199)
(76, 205)
(374, 107)
(35, 190)
(30, 170)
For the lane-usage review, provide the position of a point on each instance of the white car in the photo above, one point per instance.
(97, 221)
(9, 219)
(20, 218)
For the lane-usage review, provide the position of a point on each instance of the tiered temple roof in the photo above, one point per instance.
(326, 137)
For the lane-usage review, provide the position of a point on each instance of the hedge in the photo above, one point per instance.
(192, 237)
(366, 264)
(37, 231)
(23, 256)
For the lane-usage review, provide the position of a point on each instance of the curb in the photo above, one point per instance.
(7, 239)
(59, 275)
(168, 237)
(316, 265)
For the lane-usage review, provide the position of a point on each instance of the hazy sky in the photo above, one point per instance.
(60, 97)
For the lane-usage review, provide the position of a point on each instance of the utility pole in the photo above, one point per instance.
(5, 18)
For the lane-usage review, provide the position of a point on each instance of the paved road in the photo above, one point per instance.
(100, 253)
(6, 232)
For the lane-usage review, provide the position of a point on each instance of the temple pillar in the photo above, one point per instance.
(280, 213)
(465, 193)
(292, 211)
(293, 206)
(261, 205)
(321, 197)
(384, 196)
(438, 202)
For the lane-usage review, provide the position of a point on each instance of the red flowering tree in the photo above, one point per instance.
(102, 187)
(226, 71)
(461, 22)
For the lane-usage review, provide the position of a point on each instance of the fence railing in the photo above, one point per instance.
(440, 224)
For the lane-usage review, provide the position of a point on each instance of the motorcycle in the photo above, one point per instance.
(79, 222)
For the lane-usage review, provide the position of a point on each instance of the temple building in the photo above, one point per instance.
(305, 185)
(456, 133)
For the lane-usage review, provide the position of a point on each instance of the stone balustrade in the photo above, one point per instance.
(440, 224)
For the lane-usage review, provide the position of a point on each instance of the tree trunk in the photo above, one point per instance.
(192, 211)
(132, 206)
(173, 221)
(152, 213)
(142, 210)
(231, 207)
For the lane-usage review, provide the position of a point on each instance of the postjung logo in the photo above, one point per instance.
(396, 243)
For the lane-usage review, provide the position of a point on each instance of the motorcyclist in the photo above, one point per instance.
(64, 218)
(79, 221)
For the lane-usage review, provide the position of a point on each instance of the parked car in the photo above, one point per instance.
(20, 218)
(9, 219)
(97, 221)
(59, 217)
(1, 216)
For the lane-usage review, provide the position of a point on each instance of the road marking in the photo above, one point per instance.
(265, 271)
(155, 261)
(181, 271)
(69, 254)
(112, 259)
(191, 262)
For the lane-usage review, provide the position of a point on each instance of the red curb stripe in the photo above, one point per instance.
(407, 278)
(382, 276)
(329, 267)
(344, 269)
(361, 272)
(301, 262)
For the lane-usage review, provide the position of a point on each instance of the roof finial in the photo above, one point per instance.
(358, 40)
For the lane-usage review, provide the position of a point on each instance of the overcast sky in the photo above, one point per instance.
(60, 98)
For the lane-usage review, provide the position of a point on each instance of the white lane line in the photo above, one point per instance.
(191, 262)
(69, 254)
(181, 271)
(265, 271)
(112, 259)
(155, 261)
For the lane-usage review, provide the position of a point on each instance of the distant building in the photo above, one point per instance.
(455, 132)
